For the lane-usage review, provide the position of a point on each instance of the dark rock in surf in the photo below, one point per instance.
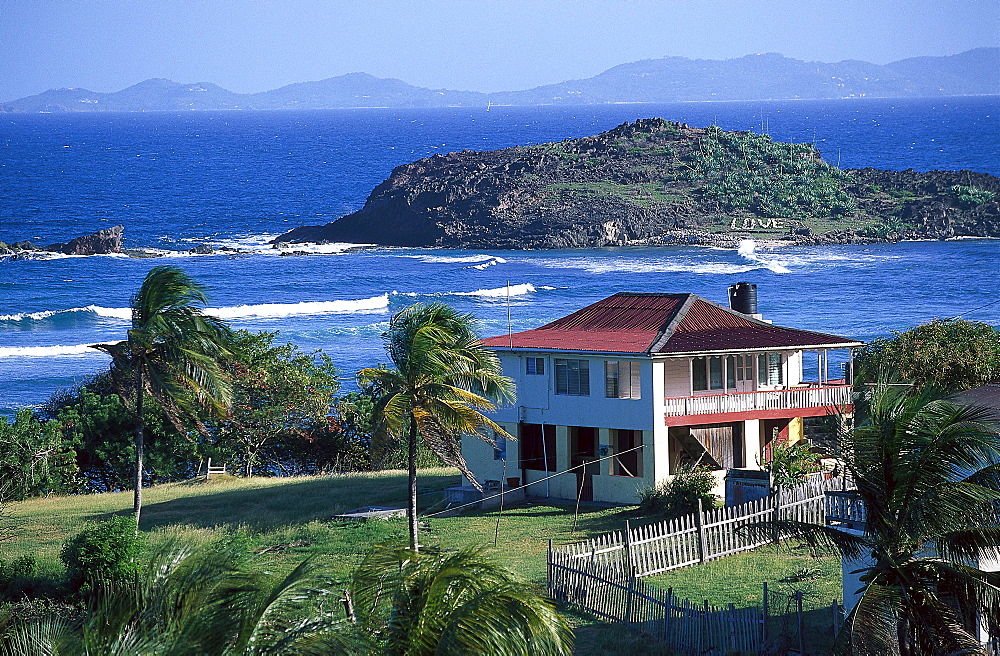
(101, 242)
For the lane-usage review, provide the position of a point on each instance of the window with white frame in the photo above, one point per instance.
(573, 377)
(708, 373)
(534, 366)
(769, 369)
(622, 379)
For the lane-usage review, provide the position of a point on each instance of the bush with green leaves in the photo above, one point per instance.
(679, 495)
(35, 459)
(949, 354)
(968, 196)
(106, 551)
(790, 464)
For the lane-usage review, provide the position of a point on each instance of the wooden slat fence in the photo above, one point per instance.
(685, 626)
(701, 536)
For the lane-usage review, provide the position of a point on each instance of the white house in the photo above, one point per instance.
(655, 381)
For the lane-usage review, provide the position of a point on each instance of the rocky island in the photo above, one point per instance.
(659, 182)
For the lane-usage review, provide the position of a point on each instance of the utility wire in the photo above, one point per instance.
(978, 308)
(541, 480)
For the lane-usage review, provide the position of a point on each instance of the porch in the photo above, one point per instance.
(803, 401)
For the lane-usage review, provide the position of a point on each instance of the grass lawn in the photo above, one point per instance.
(287, 519)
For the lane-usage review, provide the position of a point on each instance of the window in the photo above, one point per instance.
(744, 368)
(731, 372)
(628, 459)
(708, 373)
(715, 372)
(534, 366)
(769, 369)
(699, 381)
(573, 377)
(535, 452)
(622, 380)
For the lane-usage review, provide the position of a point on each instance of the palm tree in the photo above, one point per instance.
(443, 379)
(927, 474)
(173, 354)
(458, 603)
(196, 599)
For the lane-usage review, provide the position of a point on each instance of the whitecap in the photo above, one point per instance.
(748, 249)
(498, 292)
(111, 313)
(46, 351)
(277, 310)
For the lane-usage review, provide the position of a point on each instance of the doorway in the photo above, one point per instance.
(583, 450)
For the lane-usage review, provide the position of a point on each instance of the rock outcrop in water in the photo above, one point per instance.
(101, 242)
(657, 182)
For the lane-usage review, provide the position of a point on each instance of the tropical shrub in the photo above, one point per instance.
(679, 495)
(790, 464)
(971, 196)
(950, 354)
(106, 551)
(34, 458)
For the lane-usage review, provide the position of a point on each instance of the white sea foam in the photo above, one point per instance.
(277, 310)
(634, 265)
(111, 313)
(265, 310)
(46, 351)
(499, 292)
(748, 249)
(454, 259)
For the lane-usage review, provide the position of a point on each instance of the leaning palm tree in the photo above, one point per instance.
(427, 603)
(173, 354)
(927, 476)
(442, 382)
(194, 599)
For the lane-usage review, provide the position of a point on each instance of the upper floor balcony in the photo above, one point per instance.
(801, 401)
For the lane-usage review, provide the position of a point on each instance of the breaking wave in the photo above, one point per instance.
(748, 250)
(498, 292)
(46, 351)
(261, 310)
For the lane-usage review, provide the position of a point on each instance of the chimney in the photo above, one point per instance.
(743, 298)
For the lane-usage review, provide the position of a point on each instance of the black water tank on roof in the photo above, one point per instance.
(743, 297)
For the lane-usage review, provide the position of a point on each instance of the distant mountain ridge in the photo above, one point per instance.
(670, 79)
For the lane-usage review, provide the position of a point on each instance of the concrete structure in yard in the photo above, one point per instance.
(654, 382)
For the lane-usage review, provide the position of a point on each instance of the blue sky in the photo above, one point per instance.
(481, 45)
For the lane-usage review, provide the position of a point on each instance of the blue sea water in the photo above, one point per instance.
(240, 178)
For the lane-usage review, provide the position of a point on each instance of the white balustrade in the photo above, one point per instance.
(781, 399)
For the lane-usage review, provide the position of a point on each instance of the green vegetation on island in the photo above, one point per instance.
(658, 182)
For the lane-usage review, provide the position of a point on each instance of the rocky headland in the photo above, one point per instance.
(102, 242)
(659, 182)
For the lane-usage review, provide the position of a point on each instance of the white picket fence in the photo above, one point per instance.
(702, 536)
(683, 625)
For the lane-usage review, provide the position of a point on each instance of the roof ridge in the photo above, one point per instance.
(668, 328)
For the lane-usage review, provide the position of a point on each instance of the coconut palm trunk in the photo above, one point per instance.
(443, 381)
(411, 447)
(173, 353)
(140, 429)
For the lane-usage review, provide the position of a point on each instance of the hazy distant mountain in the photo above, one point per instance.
(753, 77)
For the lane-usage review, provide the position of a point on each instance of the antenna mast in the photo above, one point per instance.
(510, 334)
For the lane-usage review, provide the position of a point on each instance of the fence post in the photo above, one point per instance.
(548, 568)
(776, 505)
(764, 614)
(699, 523)
(798, 620)
(630, 571)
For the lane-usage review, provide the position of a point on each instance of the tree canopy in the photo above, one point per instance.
(949, 354)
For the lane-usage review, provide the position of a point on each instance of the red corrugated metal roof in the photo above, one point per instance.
(660, 323)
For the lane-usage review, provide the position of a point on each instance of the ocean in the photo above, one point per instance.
(238, 179)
